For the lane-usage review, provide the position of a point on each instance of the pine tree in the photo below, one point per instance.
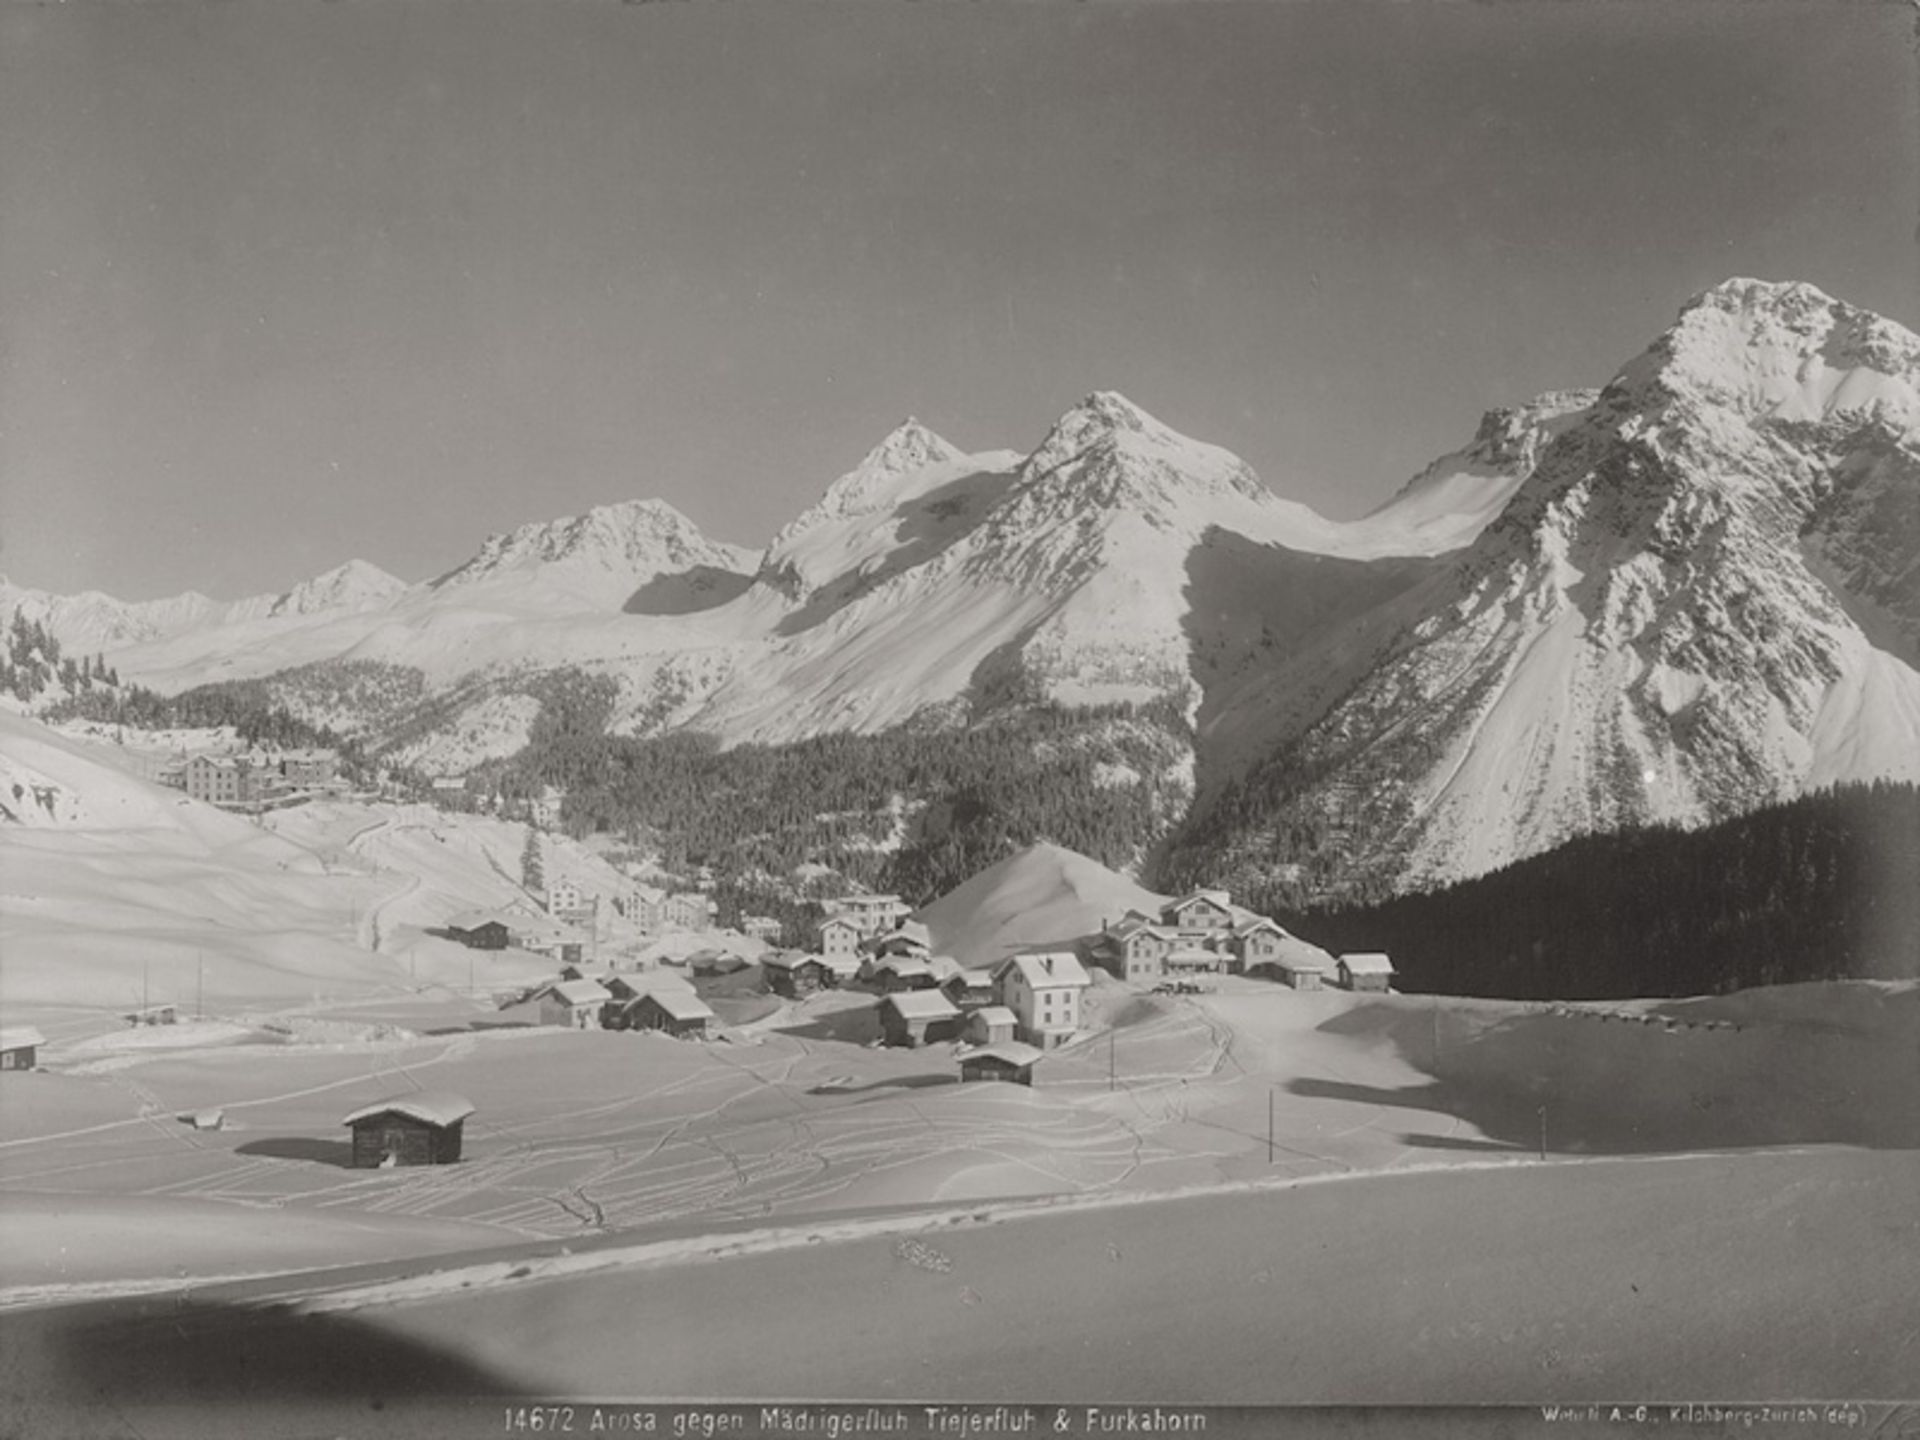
(532, 870)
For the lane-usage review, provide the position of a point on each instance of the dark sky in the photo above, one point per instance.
(285, 283)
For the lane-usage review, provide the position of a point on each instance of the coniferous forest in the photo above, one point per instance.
(911, 810)
(1824, 887)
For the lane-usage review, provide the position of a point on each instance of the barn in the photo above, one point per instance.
(794, 973)
(991, 1024)
(480, 930)
(1368, 970)
(20, 1047)
(573, 1003)
(969, 989)
(679, 1013)
(918, 1017)
(419, 1129)
(901, 972)
(1009, 1061)
(1302, 972)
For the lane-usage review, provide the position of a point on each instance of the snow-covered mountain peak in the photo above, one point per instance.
(602, 555)
(908, 446)
(1113, 454)
(876, 483)
(354, 585)
(1779, 351)
(1105, 417)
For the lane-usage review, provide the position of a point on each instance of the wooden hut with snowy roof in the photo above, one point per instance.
(573, 1003)
(423, 1128)
(1365, 970)
(679, 1013)
(1008, 1061)
(794, 973)
(20, 1047)
(918, 1017)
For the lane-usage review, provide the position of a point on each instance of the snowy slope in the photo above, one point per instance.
(1449, 503)
(1045, 894)
(969, 581)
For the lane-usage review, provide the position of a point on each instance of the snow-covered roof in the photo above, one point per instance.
(1050, 970)
(789, 959)
(904, 966)
(1212, 897)
(1012, 1052)
(477, 918)
(921, 1005)
(580, 992)
(435, 1107)
(832, 920)
(838, 964)
(681, 1004)
(1258, 922)
(18, 1037)
(995, 1015)
(1367, 962)
(1136, 924)
(1302, 956)
(972, 979)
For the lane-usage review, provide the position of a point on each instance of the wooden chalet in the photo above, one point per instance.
(679, 1013)
(481, 930)
(844, 969)
(969, 989)
(20, 1047)
(990, 1025)
(712, 961)
(423, 1128)
(909, 937)
(795, 974)
(1301, 972)
(575, 1004)
(1366, 970)
(918, 1017)
(1008, 1061)
(901, 972)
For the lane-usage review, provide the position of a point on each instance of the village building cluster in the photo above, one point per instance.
(1002, 1018)
(255, 778)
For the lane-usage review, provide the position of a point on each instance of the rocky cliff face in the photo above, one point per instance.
(1641, 635)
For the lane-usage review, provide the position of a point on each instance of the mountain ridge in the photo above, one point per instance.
(1688, 592)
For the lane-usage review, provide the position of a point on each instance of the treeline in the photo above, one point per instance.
(965, 797)
(246, 705)
(32, 662)
(1825, 887)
